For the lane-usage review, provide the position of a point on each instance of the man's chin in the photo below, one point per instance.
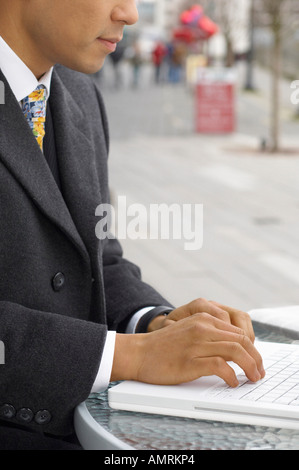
(87, 68)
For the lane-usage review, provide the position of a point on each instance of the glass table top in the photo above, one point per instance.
(156, 432)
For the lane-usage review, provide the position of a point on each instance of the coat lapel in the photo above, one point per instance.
(76, 151)
(76, 156)
(22, 156)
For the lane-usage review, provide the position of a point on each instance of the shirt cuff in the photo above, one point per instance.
(135, 319)
(104, 373)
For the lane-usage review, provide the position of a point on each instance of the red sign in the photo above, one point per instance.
(215, 107)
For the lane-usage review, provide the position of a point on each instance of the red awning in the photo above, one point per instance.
(185, 34)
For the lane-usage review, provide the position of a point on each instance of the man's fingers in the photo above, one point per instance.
(244, 355)
(227, 314)
(215, 325)
(198, 306)
(239, 319)
(217, 366)
(196, 346)
(229, 342)
(203, 305)
(214, 337)
(225, 332)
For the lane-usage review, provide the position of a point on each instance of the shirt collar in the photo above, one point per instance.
(14, 68)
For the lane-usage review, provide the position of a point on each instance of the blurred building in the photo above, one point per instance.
(167, 14)
(163, 14)
(157, 18)
(233, 19)
(263, 36)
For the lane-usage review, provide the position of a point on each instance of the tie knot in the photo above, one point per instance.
(34, 109)
(34, 105)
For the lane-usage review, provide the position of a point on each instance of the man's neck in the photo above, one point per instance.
(20, 42)
(20, 78)
(26, 54)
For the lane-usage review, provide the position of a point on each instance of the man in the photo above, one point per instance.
(73, 312)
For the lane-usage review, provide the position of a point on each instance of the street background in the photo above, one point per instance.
(250, 253)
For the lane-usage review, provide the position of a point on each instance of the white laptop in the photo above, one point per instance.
(273, 401)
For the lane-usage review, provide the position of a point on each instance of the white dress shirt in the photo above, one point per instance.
(23, 82)
(20, 78)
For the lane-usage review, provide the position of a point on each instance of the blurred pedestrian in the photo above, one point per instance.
(176, 62)
(158, 55)
(136, 62)
(116, 59)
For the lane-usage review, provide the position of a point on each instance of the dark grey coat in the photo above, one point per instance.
(54, 328)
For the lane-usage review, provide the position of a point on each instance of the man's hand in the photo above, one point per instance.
(227, 314)
(200, 344)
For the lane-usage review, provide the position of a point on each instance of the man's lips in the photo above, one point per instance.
(110, 43)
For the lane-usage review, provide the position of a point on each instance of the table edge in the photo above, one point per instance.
(91, 435)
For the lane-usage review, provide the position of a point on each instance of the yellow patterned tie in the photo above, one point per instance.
(34, 109)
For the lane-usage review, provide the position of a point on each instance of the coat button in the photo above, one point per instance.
(24, 415)
(7, 411)
(58, 282)
(42, 417)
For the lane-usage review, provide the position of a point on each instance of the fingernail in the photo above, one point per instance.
(236, 382)
(257, 376)
(262, 372)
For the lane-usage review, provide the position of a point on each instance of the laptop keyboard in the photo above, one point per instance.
(280, 385)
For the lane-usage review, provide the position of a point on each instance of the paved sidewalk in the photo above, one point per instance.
(250, 253)
(169, 109)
